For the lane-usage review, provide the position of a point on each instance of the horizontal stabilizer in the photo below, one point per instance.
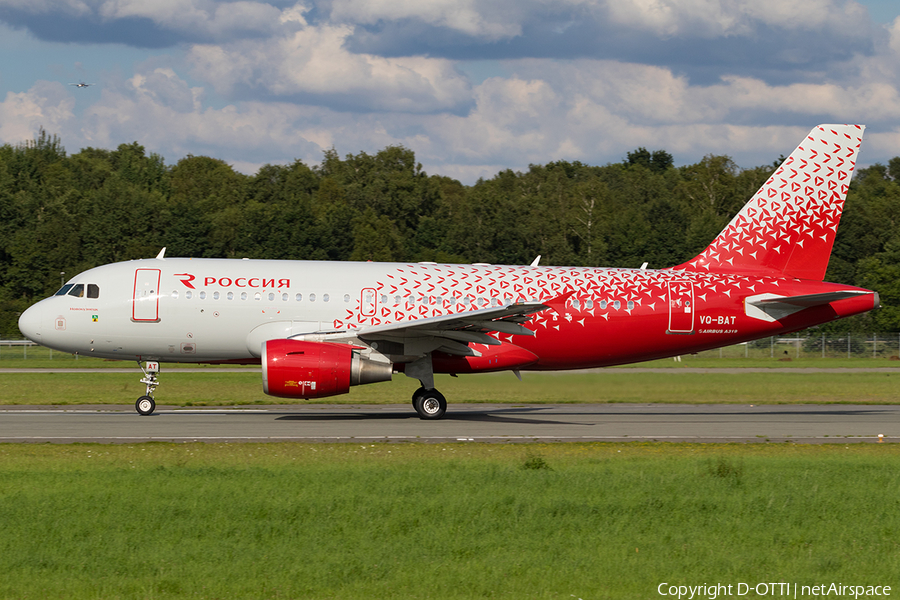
(771, 307)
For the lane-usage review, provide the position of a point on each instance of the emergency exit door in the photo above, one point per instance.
(681, 307)
(146, 295)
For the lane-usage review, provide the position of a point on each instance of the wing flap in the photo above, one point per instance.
(453, 333)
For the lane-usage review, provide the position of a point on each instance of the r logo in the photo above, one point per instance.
(188, 280)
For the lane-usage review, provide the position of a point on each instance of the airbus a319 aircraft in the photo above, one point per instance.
(318, 328)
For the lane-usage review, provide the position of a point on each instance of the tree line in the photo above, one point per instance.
(64, 212)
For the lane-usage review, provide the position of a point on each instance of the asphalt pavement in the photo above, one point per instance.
(501, 423)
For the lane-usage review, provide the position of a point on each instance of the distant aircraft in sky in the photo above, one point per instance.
(82, 84)
(318, 328)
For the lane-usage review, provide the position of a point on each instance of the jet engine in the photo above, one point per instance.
(298, 369)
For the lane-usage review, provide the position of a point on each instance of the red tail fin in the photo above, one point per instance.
(788, 227)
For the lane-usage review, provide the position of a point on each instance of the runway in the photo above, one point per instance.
(462, 423)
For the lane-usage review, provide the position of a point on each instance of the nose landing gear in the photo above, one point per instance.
(145, 405)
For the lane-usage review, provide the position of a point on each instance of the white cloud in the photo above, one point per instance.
(68, 7)
(45, 105)
(715, 18)
(487, 20)
(199, 16)
(314, 64)
(204, 18)
(592, 111)
(300, 90)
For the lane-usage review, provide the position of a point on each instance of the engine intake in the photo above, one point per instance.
(298, 369)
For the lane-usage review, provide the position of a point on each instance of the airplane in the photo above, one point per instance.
(318, 328)
(82, 84)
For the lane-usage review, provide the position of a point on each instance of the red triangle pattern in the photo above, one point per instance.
(788, 227)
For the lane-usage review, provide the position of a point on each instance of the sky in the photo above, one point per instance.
(472, 86)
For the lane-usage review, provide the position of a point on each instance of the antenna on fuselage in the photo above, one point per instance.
(162, 254)
(644, 266)
(535, 262)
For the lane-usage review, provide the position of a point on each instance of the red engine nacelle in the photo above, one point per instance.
(297, 369)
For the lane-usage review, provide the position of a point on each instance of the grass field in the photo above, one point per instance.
(224, 389)
(782, 355)
(447, 521)
(444, 521)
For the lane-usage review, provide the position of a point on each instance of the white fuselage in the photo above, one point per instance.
(201, 310)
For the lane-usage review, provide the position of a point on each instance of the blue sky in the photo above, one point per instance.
(471, 86)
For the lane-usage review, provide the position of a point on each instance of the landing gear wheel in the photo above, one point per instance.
(145, 405)
(430, 405)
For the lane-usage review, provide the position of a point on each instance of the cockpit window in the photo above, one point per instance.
(93, 290)
(64, 289)
(77, 290)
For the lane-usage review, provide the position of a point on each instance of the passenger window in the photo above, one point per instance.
(77, 291)
(93, 290)
(271, 296)
(284, 297)
(64, 289)
(243, 295)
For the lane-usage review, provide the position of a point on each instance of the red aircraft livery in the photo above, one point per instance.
(318, 328)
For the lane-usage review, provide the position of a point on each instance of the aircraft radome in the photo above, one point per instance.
(318, 328)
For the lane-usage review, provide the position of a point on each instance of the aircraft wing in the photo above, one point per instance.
(453, 333)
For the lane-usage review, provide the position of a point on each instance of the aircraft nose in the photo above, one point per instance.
(30, 323)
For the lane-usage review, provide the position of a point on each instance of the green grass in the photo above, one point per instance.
(223, 389)
(440, 521)
(729, 357)
(38, 357)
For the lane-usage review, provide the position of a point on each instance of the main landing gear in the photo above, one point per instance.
(145, 405)
(429, 404)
